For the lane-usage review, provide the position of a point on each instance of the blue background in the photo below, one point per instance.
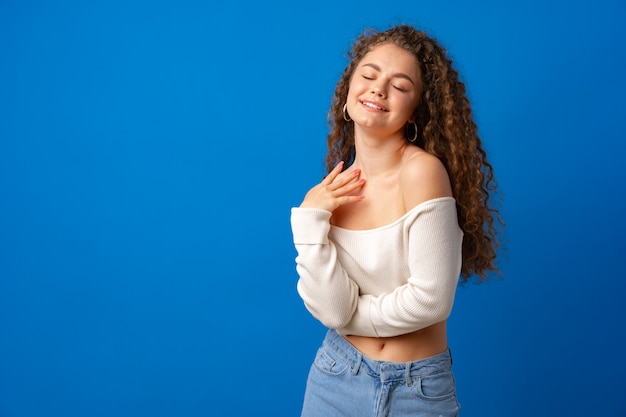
(150, 153)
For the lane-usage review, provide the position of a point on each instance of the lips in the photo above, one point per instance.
(373, 105)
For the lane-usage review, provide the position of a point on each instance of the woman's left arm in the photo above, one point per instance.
(434, 257)
(435, 241)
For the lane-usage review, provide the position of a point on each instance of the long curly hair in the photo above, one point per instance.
(445, 128)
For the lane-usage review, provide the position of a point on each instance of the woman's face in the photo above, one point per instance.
(384, 90)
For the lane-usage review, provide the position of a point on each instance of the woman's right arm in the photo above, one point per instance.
(327, 291)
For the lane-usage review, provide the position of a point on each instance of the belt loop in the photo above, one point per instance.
(407, 374)
(357, 364)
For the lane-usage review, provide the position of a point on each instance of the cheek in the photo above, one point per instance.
(411, 105)
(405, 105)
(356, 87)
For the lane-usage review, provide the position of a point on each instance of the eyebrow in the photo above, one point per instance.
(397, 74)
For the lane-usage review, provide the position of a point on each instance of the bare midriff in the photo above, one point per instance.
(408, 347)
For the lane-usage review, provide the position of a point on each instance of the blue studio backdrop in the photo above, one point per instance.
(150, 152)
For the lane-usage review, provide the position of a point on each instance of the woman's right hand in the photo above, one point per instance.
(334, 190)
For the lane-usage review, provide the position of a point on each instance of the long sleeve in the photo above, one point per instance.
(327, 291)
(434, 261)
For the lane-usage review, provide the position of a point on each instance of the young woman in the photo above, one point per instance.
(382, 240)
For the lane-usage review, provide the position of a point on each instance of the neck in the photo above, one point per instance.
(378, 156)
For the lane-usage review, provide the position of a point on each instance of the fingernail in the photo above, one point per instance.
(356, 171)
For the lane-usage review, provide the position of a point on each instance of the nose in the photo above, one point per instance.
(379, 90)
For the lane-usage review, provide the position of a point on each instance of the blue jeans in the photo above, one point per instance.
(343, 382)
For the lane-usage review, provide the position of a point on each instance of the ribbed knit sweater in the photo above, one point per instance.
(379, 282)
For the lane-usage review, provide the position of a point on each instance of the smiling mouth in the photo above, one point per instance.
(373, 106)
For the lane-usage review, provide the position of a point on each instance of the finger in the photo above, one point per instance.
(348, 188)
(333, 174)
(349, 199)
(344, 179)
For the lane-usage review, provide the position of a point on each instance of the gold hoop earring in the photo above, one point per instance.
(346, 118)
(414, 138)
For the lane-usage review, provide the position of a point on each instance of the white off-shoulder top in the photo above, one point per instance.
(379, 282)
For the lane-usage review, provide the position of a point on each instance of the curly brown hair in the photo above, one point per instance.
(445, 128)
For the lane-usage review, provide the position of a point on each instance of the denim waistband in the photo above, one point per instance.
(385, 370)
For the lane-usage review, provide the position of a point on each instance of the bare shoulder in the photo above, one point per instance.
(422, 177)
